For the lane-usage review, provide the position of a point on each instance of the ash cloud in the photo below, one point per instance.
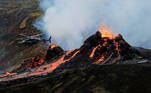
(69, 22)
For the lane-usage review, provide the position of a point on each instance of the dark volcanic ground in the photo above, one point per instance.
(17, 17)
(91, 79)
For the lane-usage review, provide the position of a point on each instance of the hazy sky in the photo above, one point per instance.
(69, 22)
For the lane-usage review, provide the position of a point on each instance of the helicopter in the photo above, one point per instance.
(33, 39)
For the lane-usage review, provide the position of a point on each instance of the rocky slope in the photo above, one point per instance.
(17, 17)
(91, 79)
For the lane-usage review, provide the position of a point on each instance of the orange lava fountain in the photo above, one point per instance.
(52, 46)
(106, 32)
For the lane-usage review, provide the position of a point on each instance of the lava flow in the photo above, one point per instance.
(101, 48)
(35, 61)
(105, 33)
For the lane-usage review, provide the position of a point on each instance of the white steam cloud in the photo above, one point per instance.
(69, 22)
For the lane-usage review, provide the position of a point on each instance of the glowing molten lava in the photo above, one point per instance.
(36, 61)
(106, 32)
(7, 74)
(52, 46)
(93, 51)
(101, 48)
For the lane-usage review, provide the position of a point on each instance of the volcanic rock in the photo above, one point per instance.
(17, 17)
(91, 79)
(101, 50)
(53, 51)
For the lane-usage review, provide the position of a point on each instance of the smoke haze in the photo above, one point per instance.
(69, 22)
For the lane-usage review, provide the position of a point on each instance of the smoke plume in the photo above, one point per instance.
(69, 22)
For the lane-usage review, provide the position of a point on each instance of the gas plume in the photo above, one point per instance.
(69, 22)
